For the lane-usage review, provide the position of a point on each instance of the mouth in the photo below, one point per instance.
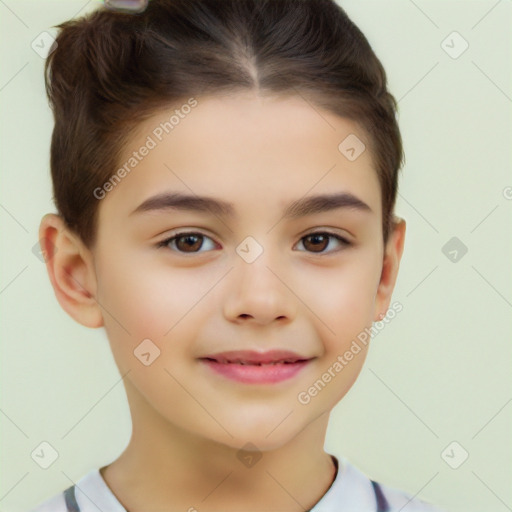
(257, 367)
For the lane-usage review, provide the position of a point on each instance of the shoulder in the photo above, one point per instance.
(89, 494)
(400, 500)
(56, 503)
(353, 490)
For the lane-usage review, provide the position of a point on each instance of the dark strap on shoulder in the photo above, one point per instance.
(382, 502)
(69, 496)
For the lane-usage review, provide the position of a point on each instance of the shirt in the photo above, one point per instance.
(351, 491)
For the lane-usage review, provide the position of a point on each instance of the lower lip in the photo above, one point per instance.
(254, 374)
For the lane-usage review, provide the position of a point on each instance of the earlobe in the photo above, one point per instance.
(391, 263)
(71, 272)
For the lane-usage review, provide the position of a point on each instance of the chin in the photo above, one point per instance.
(262, 435)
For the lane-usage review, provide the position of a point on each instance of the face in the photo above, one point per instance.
(207, 289)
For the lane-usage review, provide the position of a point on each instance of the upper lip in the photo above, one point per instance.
(250, 356)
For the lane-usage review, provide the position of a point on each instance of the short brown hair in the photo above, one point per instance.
(110, 70)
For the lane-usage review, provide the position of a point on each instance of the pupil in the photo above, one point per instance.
(191, 241)
(317, 238)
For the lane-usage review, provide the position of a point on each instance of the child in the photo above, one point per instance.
(252, 131)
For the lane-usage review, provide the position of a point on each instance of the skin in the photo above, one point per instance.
(259, 153)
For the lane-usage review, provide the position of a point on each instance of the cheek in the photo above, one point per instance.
(148, 299)
(343, 300)
(142, 300)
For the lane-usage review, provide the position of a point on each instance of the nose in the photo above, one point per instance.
(259, 293)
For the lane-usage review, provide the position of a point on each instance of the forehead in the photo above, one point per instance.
(248, 149)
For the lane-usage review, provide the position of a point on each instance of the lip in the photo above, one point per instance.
(257, 367)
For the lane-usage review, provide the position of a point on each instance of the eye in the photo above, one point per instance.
(191, 242)
(184, 241)
(319, 240)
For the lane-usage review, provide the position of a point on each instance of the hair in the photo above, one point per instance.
(109, 70)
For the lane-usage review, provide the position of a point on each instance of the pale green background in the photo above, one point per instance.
(440, 372)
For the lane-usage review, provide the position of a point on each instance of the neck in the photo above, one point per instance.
(167, 468)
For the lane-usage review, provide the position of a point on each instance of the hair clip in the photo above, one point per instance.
(131, 6)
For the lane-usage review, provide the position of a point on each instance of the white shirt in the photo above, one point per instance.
(351, 491)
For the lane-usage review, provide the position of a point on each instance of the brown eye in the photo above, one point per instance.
(319, 241)
(189, 242)
(316, 242)
(193, 242)
(185, 242)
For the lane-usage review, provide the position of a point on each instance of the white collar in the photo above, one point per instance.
(351, 490)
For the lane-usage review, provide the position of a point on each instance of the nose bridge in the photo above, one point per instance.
(256, 258)
(258, 290)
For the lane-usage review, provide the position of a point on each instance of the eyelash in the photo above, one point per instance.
(165, 243)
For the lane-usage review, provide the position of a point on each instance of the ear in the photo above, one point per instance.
(70, 268)
(391, 262)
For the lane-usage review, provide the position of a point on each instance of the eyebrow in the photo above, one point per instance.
(296, 209)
